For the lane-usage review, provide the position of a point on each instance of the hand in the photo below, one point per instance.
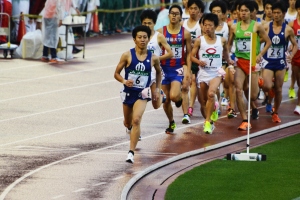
(258, 58)
(202, 63)
(230, 62)
(59, 23)
(156, 95)
(128, 83)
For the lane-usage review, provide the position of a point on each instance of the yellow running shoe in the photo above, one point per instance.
(292, 93)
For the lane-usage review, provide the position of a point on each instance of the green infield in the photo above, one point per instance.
(276, 178)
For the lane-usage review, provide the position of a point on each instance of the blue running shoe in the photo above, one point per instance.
(269, 108)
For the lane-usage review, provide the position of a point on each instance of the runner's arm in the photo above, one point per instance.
(169, 53)
(122, 64)
(262, 34)
(156, 65)
(291, 38)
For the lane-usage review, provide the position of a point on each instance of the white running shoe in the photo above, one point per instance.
(186, 119)
(130, 158)
(128, 130)
(297, 110)
(224, 102)
(261, 95)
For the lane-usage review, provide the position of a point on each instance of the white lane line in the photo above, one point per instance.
(62, 90)
(117, 178)
(79, 190)
(58, 197)
(98, 184)
(16, 182)
(71, 129)
(56, 75)
(42, 64)
(58, 109)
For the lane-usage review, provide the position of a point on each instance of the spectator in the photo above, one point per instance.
(5, 7)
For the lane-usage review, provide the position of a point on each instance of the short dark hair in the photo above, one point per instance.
(148, 14)
(176, 6)
(198, 3)
(279, 5)
(141, 28)
(218, 3)
(270, 2)
(297, 5)
(211, 17)
(255, 5)
(248, 4)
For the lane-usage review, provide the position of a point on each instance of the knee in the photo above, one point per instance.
(136, 121)
(211, 94)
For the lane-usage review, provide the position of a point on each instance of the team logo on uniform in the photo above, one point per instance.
(298, 31)
(140, 67)
(211, 51)
(247, 33)
(275, 39)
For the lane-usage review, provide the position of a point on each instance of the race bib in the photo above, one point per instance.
(177, 51)
(275, 52)
(262, 64)
(180, 71)
(139, 81)
(243, 45)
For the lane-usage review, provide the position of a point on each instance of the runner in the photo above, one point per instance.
(275, 66)
(290, 16)
(296, 58)
(157, 41)
(211, 47)
(219, 8)
(242, 34)
(177, 69)
(185, 10)
(137, 63)
(196, 8)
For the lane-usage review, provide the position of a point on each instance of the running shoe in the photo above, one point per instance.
(164, 97)
(190, 111)
(260, 82)
(214, 116)
(244, 126)
(224, 102)
(208, 127)
(292, 93)
(275, 118)
(129, 158)
(231, 113)
(45, 59)
(128, 130)
(55, 61)
(186, 119)
(261, 95)
(171, 127)
(271, 93)
(297, 110)
(269, 108)
(286, 76)
(255, 113)
(178, 103)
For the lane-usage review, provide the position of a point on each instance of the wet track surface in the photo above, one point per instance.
(62, 134)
